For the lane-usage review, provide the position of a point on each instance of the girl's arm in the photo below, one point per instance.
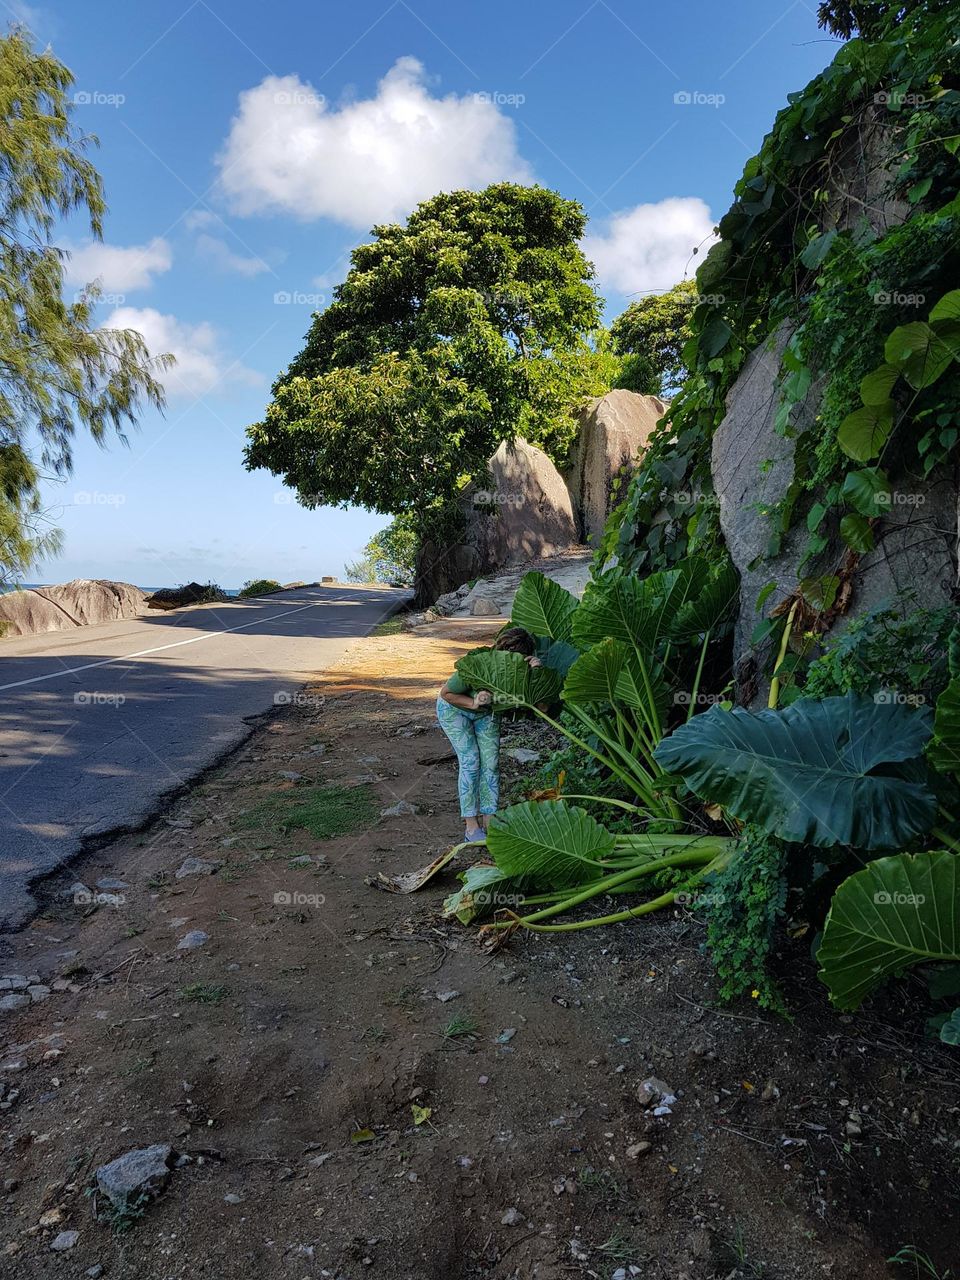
(465, 701)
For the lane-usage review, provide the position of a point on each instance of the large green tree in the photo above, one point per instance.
(57, 369)
(469, 325)
(650, 336)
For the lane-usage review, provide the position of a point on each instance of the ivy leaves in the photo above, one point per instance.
(920, 353)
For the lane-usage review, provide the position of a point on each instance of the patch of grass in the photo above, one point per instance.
(138, 1065)
(619, 1248)
(393, 626)
(734, 1250)
(158, 880)
(402, 998)
(922, 1265)
(376, 1035)
(603, 1184)
(460, 1026)
(202, 993)
(325, 811)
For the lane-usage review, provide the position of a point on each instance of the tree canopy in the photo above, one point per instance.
(650, 336)
(57, 370)
(468, 325)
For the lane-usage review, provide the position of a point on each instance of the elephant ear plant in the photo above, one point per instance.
(614, 660)
(844, 771)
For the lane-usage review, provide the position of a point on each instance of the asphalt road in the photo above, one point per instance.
(97, 725)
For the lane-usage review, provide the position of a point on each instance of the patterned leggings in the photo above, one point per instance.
(476, 739)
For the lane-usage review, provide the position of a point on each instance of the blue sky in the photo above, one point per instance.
(247, 147)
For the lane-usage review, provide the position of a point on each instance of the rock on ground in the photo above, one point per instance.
(144, 1172)
(78, 603)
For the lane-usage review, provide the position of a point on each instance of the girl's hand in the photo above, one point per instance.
(482, 699)
(534, 662)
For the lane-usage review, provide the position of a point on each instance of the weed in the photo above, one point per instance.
(378, 1034)
(202, 993)
(735, 1251)
(619, 1248)
(138, 1065)
(911, 1256)
(402, 998)
(121, 1218)
(602, 1183)
(460, 1026)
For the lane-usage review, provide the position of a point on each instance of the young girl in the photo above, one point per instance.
(470, 722)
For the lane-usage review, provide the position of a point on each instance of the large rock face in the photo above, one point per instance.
(524, 513)
(69, 604)
(614, 431)
(915, 560)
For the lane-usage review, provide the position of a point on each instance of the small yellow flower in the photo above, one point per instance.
(754, 993)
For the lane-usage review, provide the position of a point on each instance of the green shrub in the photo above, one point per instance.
(259, 587)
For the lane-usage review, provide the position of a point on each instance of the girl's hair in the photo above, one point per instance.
(516, 640)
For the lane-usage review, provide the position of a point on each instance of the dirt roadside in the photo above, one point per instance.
(283, 1058)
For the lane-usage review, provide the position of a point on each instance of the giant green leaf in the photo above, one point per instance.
(595, 674)
(950, 1031)
(944, 751)
(558, 655)
(544, 608)
(509, 677)
(640, 611)
(920, 352)
(710, 607)
(822, 772)
(947, 309)
(554, 844)
(863, 433)
(876, 386)
(867, 491)
(896, 912)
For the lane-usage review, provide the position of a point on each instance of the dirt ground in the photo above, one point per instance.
(283, 1058)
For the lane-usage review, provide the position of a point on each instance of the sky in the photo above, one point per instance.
(247, 148)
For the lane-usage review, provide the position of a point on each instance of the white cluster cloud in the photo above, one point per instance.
(201, 366)
(118, 268)
(648, 248)
(366, 161)
(223, 257)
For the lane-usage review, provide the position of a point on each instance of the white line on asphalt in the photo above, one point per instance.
(143, 653)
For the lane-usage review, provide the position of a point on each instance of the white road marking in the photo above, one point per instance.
(143, 653)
